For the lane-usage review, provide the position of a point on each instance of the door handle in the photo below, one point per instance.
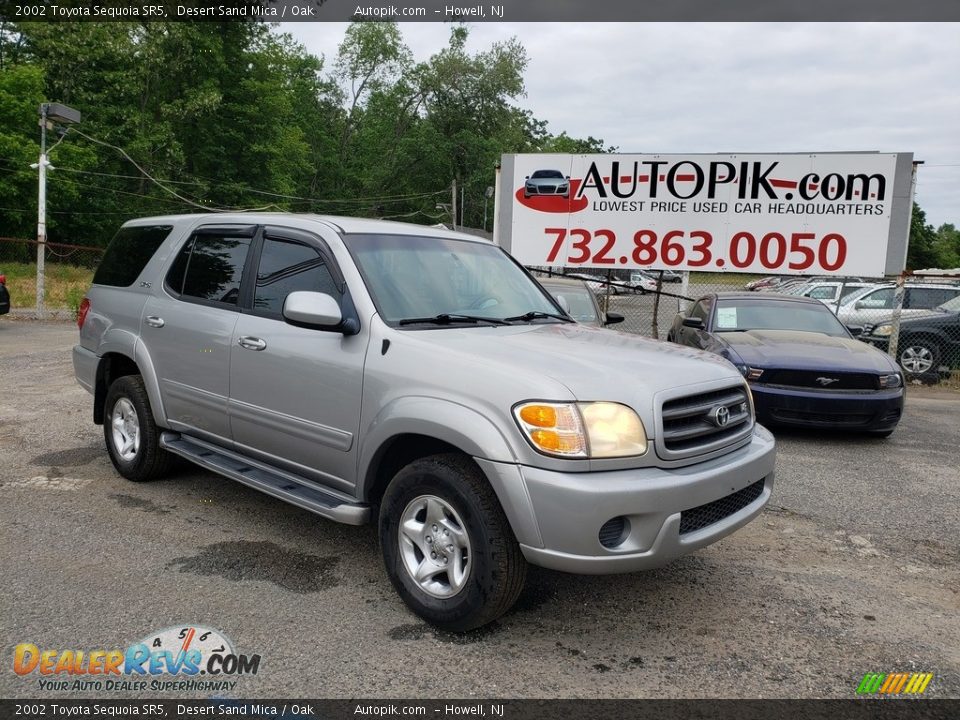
(252, 343)
(154, 321)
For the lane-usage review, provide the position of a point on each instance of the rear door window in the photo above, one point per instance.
(209, 268)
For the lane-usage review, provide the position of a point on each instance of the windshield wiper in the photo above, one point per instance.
(538, 315)
(449, 318)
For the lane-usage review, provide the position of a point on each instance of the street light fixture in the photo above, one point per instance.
(50, 113)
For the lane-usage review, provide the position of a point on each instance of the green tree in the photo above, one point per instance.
(920, 250)
(946, 246)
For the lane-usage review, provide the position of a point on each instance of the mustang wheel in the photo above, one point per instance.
(447, 546)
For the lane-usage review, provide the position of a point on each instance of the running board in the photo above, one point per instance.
(282, 485)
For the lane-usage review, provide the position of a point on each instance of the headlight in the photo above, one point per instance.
(750, 373)
(882, 330)
(582, 430)
(891, 381)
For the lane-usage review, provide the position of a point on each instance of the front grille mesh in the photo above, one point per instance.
(705, 515)
(821, 380)
(691, 425)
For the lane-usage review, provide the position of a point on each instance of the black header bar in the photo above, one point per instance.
(476, 12)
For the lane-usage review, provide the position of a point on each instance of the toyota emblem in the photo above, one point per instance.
(720, 415)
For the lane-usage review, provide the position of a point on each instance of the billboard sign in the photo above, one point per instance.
(832, 213)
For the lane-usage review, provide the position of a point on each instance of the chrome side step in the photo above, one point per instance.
(278, 483)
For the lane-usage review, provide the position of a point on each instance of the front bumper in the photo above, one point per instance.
(557, 516)
(877, 410)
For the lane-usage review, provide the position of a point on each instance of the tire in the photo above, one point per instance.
(918, 356)
(132, 436)
(479, 570)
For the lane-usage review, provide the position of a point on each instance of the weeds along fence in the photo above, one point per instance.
(68, 270)
(914, 318)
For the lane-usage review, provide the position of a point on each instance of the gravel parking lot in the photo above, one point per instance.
(853, 568)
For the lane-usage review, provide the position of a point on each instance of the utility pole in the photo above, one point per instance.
(453, 203)
(49, 113)
(42, 212)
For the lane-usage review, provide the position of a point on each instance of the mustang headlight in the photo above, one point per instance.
(750, 373)
(893, 380)
(582, 430)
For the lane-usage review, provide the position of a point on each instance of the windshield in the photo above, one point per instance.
(734, 315)
(550, 174)
(950, 305)
(414, 277)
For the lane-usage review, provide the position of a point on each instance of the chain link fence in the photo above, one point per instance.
(68, 270)
(914, 318)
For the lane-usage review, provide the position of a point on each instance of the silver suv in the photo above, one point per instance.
(420, 379)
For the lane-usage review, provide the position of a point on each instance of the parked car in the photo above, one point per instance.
(926, 342)
(4, 296)
(420, 379)
(669, 276)
(641, 282)
(546, 182)
(579, 301)
(804, 367)
(599, 283)
(874, 306)
(764, 282)
(829, 291)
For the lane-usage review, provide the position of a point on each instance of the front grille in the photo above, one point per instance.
(820, 380)
(705, 515)
(823, 418)
(705, 422)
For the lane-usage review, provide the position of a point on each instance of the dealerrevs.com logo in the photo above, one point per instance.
(181, 658)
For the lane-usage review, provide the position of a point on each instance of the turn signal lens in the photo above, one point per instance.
(539, 415)
(553, 428)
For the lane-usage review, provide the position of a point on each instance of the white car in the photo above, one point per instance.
(874, 305)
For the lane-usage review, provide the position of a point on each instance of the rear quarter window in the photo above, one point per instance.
(128, 253)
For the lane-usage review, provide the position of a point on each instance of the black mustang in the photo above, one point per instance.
(803, 366)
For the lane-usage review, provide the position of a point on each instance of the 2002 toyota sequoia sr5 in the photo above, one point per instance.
(367, 370)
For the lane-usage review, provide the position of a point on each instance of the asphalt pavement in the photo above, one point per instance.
(853, 568)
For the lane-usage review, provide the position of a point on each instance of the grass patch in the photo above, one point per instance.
(64, 285)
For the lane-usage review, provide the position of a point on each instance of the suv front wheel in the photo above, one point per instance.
(447, 545)
(132, 436)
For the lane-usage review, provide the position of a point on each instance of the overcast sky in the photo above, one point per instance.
(735, 87)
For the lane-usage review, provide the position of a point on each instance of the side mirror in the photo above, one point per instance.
(568, 177)
(527, 177)
(859, 305)
(313, 310)
(613, 319)
(693, 322)
(855, 330)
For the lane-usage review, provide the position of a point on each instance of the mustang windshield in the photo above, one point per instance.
(421, 279)
(735, 315)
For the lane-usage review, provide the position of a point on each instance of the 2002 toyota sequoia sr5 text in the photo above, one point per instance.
(367, 370)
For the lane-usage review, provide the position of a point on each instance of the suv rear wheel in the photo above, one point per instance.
(132, 436)
(919, 355)
(447, 545)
